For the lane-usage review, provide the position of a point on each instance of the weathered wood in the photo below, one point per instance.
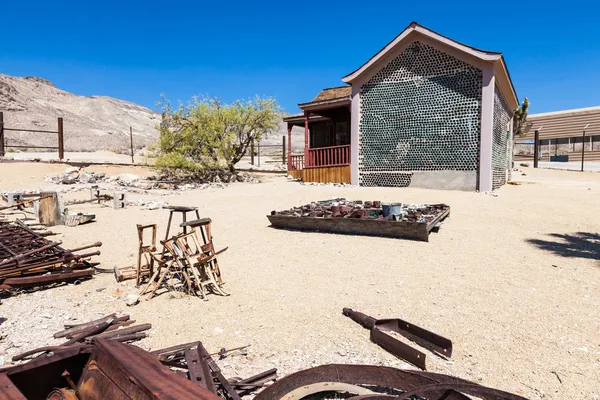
(355, 226)
(49, 211)
(337, 174)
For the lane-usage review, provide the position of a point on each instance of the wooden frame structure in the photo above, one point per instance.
(184, 256)
(59, 132)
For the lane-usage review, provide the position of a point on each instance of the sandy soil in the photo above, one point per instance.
(512, 279)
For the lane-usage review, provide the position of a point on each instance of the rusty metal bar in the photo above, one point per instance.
(28, 130)
(30, 147)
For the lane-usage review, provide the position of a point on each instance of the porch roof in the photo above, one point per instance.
(298, 119)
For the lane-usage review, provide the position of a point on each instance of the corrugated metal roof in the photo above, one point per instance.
(564, 124)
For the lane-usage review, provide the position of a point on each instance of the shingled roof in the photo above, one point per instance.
(333, 93)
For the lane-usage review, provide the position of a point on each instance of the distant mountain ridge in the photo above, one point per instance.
(91, 123)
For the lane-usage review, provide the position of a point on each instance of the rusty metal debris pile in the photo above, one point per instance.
(96, 364)
(109, 327)
(342, 208)
(108, 369)
(27, 259)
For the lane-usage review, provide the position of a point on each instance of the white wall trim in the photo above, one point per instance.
(487, 130)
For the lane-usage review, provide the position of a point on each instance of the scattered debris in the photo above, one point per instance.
(101, 366)
(109, 327)
(76, 176)
(30, 260)
(96, 350)
(374, 218)
(75, 219)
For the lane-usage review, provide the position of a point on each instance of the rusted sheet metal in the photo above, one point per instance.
(380, 329)
(138, 374)
(46, 372)
(8, 390)
(411, 383)
(199, 370)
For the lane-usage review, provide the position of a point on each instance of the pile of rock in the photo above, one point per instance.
(75, 176)
(72, 176)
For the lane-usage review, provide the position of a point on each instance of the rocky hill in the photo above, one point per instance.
(91, 123)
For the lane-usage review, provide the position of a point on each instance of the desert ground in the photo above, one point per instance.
(512, 278)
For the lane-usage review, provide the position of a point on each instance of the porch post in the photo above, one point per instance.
(354, 133)
(306, 133)
(289, 147)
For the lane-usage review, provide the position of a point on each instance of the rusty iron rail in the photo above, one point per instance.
(383, 329)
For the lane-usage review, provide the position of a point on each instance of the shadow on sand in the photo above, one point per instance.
(577, 245)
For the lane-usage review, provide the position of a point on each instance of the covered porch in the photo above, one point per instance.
(326, 124)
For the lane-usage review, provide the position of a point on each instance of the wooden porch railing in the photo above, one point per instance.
(296, 162)
(329, 156)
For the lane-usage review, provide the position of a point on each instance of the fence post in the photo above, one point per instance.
(284, 153)
(258, 152)
(583, 149)
(61, 147)
(1, 134)
(131, 140)
(252, 152)
(536, 148)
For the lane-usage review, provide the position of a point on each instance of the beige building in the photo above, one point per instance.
(561, 135)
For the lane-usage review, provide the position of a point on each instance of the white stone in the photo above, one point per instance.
(132, 299)
(127, 179)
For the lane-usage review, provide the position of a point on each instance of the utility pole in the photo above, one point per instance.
(131, 140)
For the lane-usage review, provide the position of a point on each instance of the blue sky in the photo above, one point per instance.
(135, 50)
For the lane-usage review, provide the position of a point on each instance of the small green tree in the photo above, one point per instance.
(207, 133)
(520, 119)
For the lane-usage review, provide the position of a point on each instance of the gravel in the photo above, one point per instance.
(513, 279)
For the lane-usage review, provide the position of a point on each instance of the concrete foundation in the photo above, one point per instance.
(450, 180)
